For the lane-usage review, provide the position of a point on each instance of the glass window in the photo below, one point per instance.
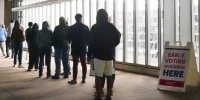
(79, 6)
(196, 32)
(67, 12)
(153, 33)
(52, 22)
(119, 25)
(93, 11)
(129, 20)
(109, 8)
(48, 14)
(101, 4)
(140, 36)
(86, 12)
(73, 11)
(57, 14)
(62, 10)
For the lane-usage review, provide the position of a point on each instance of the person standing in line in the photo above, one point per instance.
(103, 39)
(61, 46)
(44, 40)
(3, 37)
(18, 38)
(31, 37)
(78, 36)
(8, 41)
(30, 24)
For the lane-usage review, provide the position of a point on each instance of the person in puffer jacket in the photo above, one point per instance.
(3, 36)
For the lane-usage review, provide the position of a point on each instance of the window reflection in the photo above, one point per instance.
(119, 25)
(140, 41)
(153, 33)
(129, 53)
(196, 32)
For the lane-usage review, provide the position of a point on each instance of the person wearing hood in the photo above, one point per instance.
(44, 41)
(103, 39)
(31, 37)
(18, 38)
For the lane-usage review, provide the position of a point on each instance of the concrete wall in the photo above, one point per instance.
(2, 11)
(8, 13)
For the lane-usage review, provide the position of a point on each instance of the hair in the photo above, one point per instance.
(102, 16)
(35, 26)
(30, 24)
(45, 25)
(78, 17)
(62, 20)
(12, 21)
(17, 24)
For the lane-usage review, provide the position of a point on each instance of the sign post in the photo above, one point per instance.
(178, 68)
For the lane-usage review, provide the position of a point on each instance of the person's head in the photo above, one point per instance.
(35, 26)
(17, 23)
(102, 16)
(62, 20)
(78, 18)
(30, 24)
(45, 25)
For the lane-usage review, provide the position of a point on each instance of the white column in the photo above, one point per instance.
(185, 21)
(169, 21)
(2, 3)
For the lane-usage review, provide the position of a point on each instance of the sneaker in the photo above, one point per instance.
(72, 82)
(55, 77)
(20, 66)
(13, 66)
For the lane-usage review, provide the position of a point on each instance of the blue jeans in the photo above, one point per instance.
(62, 54)
(18, 52)
(45, 51)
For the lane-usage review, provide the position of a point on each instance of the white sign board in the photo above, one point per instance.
(174, 68)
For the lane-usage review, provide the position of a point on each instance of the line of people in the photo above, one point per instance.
(97, 45)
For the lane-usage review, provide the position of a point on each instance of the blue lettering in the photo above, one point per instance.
(173, 73)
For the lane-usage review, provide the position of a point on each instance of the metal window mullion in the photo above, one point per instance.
(114, 12)
(135, 30)
(90, 13)
(71, 18)
(124, 28)
(146, 31)
(159, 31)
(199, 29)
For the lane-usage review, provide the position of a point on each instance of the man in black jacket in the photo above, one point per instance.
(61, 46)
(78, 36)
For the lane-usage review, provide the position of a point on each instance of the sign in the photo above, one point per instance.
(174, 69)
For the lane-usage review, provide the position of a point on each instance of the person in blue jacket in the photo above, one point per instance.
(3, 36)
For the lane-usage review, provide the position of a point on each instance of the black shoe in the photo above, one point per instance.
(108, 98)
(65, 76)
(97, 98)
(28, 70)
(83, 81)
(55, 77)
(72, 82)
(7, 56)
(69, 73)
